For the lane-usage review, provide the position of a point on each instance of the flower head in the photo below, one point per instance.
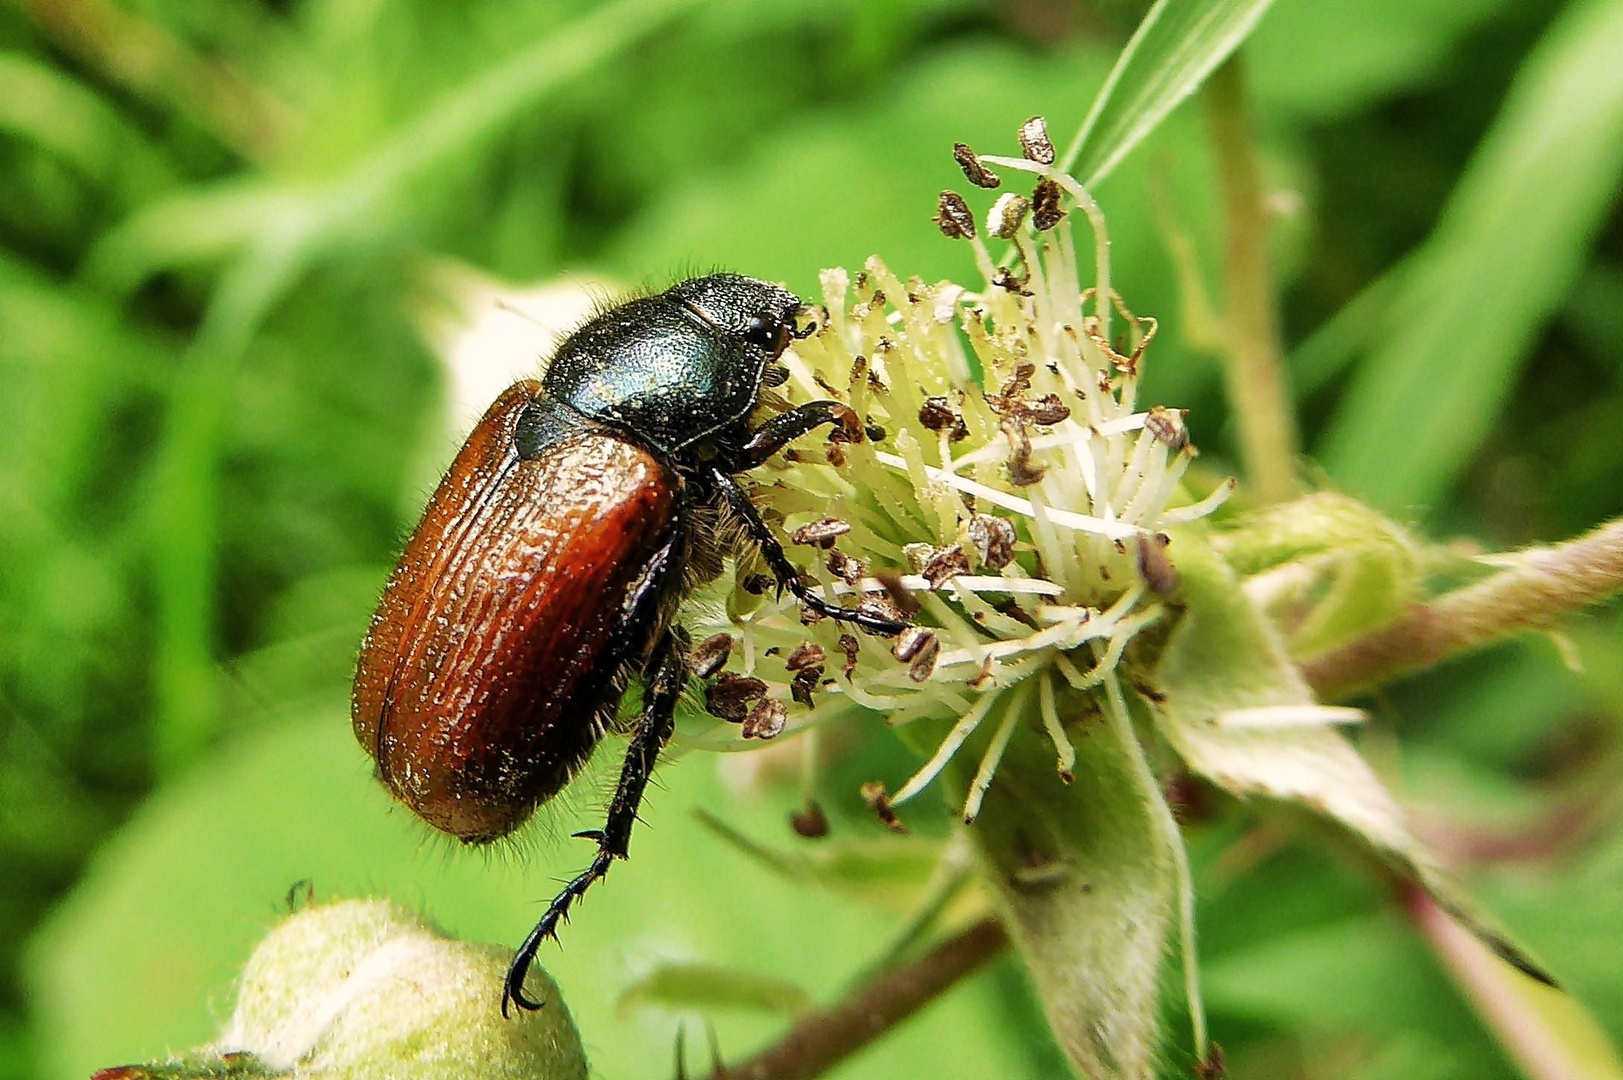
(1008, 495)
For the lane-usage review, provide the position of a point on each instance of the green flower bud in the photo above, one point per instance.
(363, 989)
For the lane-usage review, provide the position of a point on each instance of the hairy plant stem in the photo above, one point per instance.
(1253, 364)
(818, 1042)
(1542, 585)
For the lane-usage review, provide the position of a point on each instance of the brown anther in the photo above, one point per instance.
(850, 646)
(802, 685)
(994, 539)
(808, 654)
(810, 616)
(878, 800)
(1020, 381)
(1023, 471)
(1047, 410)
(975, 172)
(1213, 1068)
(1006, 279)
(836, 454)
(1047, 205)
(945, 564)
(1007, 215)
(937, 414)
(859, 368)
(1167, 425)
(758, 584)
(820, 533)
(810, 822)
(953, 218)
(910, 641)
(918, 648)
(731, 695)
(766, 720)
(983, 678)
(1154, 566)
(844, 567)
(1034, 141)
(710, 655)
(923, 665)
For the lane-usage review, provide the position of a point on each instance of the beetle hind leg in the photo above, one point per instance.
(667, 674)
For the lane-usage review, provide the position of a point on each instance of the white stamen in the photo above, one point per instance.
(1056, 731)
(1197, 510)
(1266, 717)
(990, 761)
(1071, 520)
(949, 746)
(977, 583)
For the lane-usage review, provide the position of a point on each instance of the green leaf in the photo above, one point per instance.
(1224, 656)
(204, 867)
(59, 114)
(1169, 56)
(1086, 886)
(1511, 242)
(1326, 60)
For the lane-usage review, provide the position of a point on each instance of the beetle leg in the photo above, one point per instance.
(667, 675)
(785, 570)
(784, 429)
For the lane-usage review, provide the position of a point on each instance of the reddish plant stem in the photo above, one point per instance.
(818, 1042)
(1502, 998)
(1546, 584)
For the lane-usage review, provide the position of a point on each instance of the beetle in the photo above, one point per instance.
(549, 563)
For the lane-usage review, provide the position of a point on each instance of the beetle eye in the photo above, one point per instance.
(767, 333)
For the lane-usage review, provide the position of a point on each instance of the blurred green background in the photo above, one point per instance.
(218, 416)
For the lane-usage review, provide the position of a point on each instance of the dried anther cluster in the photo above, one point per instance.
(1007, 493)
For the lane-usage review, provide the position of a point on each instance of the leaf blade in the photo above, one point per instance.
(1512, 239)
(1177, 45)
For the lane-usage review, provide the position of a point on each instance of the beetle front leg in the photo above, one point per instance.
(667, 675)
(785, 571)
(784, 429)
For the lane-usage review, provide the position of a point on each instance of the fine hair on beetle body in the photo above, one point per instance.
(550, 562)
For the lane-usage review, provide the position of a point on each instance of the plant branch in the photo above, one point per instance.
(1501, 996)
(1541, 585)
(1254, 366)
(823, 1039)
